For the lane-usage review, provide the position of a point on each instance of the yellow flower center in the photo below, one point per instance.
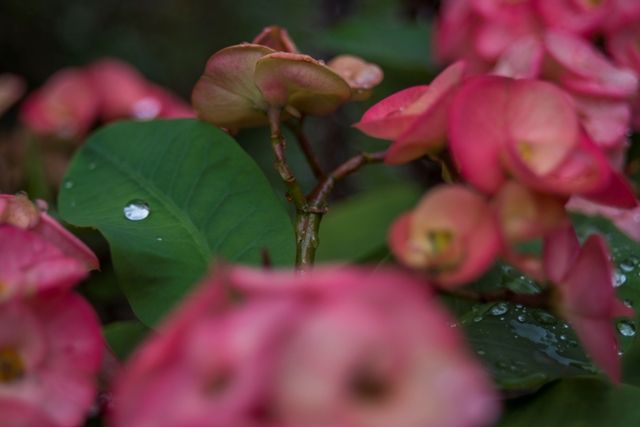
(11, 365)
(438, 241)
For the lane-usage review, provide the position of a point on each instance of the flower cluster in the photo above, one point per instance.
(50, 342)
(531, 115)
(71, 101)
(333, 347)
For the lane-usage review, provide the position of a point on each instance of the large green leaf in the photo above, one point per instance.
(577, 402)
(124, 336)
(358, 227)
(206, 198)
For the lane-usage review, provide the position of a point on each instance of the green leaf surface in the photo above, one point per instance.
(383, 40)
(357, 228)
(576, 402)
(123, 337)
(524, 348)
(205, 196)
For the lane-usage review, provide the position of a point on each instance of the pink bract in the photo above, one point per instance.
(65, 106)
(581, 68)
(583, 277)
(51, 350)
(18, 211)
(414, 118)
(575, 16)
(451, 245)
(303, 350)
(493, 118)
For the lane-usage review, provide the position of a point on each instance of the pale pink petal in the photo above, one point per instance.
(606, 121)
(522, 60)
(300, 82)
(587, 71)
(575, 16)
(226, 94)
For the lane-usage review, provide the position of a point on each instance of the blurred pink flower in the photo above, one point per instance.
(50, 352)
(583, 280)
(12, 87)
(414, 118)
(576, 16)
(65, 106)
(19, 212)
(451, 245)
(332, 347)
(125, 93)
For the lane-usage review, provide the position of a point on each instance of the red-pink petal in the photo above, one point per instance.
(386, 119)
(618, 193)
(561, 247)
(575, 16)
(478, 130)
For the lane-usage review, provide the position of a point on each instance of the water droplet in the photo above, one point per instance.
(522, 318)
(477, 319)
(159, 239)
(544, 317)
(619, 279)
(563, 337)
(627, 268)
(628, 303)
(499, 309)
(481, 352)
(626, 328)
(136, 210)
(68, 185)
(92, 166)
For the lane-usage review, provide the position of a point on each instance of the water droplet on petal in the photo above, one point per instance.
(136, 210)
(499, 309)
(626, 328)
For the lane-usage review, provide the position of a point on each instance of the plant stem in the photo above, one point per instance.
(278, 144)
(309, 210)
(320, 194)
(307, 149)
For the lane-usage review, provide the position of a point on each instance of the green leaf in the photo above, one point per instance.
(206, 198)
(576, 402)
(524, 348)
(357, 228)
(383, 40)
(123, 337)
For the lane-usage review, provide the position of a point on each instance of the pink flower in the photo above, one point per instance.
(18, 211)
(65, 106)
(583, 279)
(50, 353)
(414, 118)
(331, 347)
(125, 93)
(451, 245)
(529, 129)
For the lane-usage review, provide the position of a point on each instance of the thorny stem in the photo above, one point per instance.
(539, 300)
(307, 149)
(309, 210)
(322, 191)
(278, 144)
